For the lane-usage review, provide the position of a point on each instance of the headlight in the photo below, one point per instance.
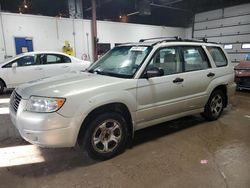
(44, 104)
(238, 72)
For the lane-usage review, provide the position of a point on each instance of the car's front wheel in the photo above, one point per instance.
(214, 106)
(106, 136)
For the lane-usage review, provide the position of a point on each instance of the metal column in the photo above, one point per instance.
(94, 30)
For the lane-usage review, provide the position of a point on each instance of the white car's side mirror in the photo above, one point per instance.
(14, 65)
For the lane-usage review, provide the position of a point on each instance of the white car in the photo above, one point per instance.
(31, 66)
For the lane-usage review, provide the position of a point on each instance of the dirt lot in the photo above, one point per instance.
(188, 152)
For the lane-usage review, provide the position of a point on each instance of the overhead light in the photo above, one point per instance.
(25, 4)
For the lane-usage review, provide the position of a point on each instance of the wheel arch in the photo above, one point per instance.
(3, 82)
(222, 88)
(111, 107)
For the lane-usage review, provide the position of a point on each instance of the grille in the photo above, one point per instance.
(244, 81)
(15, 101)
(244, 70)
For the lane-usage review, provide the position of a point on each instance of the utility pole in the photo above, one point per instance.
(94, 30)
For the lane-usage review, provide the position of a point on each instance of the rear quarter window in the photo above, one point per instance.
(218, 56)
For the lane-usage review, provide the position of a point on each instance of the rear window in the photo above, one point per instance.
(218, 56)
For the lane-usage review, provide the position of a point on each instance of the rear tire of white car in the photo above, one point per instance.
(214, 106)
(1, 87)
(106, 136)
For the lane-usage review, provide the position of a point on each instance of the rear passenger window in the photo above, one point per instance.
(194, 59)
(218, 56)
(54, 59)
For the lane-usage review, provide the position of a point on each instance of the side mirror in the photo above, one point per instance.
(14, 65)
(154, 72)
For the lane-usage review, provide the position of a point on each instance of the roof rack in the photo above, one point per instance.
(161, 38)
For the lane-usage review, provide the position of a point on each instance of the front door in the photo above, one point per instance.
(162, 96)
(27, 69)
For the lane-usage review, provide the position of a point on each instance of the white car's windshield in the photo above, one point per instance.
(122, 61)
(11, 58)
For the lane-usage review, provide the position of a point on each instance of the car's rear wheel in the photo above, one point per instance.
(106, 136)
(1, 87)
(214, 106)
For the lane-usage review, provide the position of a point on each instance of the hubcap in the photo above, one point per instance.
(216, 105)
(107, 136)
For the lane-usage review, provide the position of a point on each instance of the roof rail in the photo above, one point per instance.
(196, 40)
(162, 38)
(176, 38)
(205, 40)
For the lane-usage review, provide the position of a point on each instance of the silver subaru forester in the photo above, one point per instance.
(133, 86)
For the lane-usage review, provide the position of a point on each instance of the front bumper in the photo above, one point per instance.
(46, 129)
(243, 82)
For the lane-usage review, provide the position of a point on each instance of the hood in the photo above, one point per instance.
(66, 85)
(243, 65)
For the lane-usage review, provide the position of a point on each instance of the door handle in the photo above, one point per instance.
(65, 66)
(210, 74)
(178, 80)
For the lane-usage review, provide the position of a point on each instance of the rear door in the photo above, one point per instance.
(197, 75)
(182, 88)
(55, 64)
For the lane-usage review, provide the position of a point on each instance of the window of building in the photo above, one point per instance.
(228, 46)
(245, 46)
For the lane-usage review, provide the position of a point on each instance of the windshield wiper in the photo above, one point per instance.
(109, 74)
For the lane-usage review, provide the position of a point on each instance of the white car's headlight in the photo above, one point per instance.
(44, 104)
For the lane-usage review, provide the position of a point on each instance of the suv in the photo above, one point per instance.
(133, 86)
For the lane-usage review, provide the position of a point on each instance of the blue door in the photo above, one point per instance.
(23, 45)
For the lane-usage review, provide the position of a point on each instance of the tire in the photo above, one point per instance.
(106, 136)
(1, 87)
(214, 106)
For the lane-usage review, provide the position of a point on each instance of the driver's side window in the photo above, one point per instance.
(167, 59)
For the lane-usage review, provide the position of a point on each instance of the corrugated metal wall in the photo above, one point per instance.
(226, 26)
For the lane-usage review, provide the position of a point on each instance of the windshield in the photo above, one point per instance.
(11, 58)
(248, 57)
(122, 61)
